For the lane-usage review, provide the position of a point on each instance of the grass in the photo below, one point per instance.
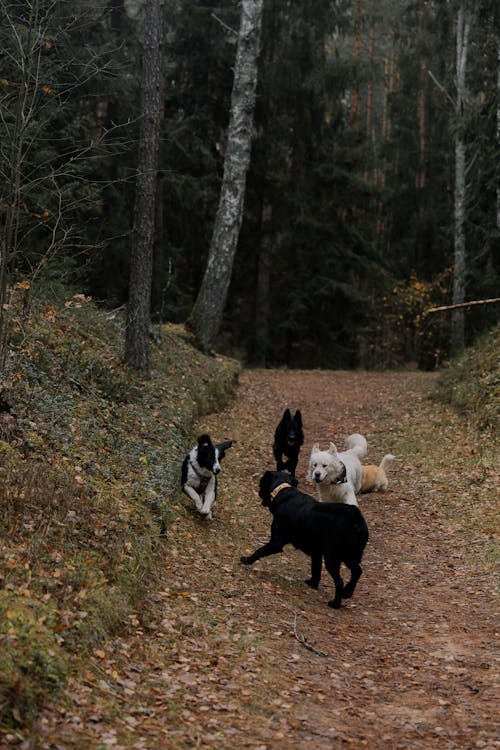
(89, 469)
(451, 436)
(471, 383)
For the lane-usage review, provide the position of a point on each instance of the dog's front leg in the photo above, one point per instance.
(190, 492)
(271, 548)
(209, 500)
(316, 565)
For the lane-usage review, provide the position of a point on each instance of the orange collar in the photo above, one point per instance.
(278, 489)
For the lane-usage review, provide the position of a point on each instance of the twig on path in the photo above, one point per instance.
(299, 636)
(302, 639)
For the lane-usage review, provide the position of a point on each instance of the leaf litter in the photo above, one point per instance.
(215, 661)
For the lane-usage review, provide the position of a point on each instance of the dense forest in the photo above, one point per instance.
(367, 116)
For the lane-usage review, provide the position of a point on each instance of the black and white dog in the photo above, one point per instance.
(287, 441)
(199, 472)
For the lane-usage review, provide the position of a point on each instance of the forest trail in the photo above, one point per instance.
(408, 661)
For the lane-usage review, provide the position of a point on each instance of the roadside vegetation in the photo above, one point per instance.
(450, 435)
(472, 382)
(90, 457)
(89, 470)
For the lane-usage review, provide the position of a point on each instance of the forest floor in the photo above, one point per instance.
(220, 659)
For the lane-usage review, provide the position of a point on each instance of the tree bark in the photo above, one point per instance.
(498, 113)
(206, 316)
(459, 269)
(357, 57)
(141, 266)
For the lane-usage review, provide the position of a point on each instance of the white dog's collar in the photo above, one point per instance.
(342, 478)
(278, 489)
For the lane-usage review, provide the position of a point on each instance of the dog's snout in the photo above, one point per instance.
(216, 469)
(317, 476)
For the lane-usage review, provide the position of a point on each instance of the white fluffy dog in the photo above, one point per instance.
(338, 475)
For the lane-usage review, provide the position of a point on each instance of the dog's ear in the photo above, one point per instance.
(286, 415)
(264, 487)
(222, 448)
(315, 448)
(204, 439)
(298, 417)
(332, 449)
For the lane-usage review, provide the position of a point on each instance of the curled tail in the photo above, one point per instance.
(387, 459)
(357, 443)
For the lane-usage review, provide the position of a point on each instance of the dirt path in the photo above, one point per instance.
(409, 660)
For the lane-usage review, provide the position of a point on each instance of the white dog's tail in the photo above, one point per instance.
(357, 444)
(384, 464)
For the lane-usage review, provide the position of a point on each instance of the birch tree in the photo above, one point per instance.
(206, 315)
(459, 268)
(141, 266)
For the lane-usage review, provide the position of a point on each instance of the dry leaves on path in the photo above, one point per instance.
(222, 660)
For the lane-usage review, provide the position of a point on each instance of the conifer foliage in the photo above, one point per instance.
(350, 184)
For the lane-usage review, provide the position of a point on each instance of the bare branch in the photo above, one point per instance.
(462, 304)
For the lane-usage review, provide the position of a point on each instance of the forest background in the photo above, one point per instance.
(348, 233)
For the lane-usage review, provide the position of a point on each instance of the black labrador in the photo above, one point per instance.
(336, 532)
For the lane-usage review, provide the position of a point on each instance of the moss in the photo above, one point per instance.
(31, 663)
(471, 383)
(91, 458)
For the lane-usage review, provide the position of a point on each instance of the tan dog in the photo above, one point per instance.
(374, 477)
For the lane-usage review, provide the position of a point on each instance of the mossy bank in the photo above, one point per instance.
(90, 465)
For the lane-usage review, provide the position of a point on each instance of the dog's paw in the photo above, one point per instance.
(245, 560)
(346, 594)
(334, 603)
(312, 583)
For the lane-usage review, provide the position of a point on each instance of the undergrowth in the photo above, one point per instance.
(90, 460)
(471, 383)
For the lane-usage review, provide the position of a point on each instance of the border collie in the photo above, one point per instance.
(199, 473)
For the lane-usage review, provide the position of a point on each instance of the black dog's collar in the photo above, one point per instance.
(342, 477)
(278, 489)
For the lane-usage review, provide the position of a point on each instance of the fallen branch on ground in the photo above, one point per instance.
(302, 639)
(462, 304)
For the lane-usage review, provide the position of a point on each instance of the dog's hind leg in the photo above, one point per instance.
(333, 567)
(316, 565)
(356, 571)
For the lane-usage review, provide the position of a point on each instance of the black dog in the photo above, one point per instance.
(287, 441)
(199, 472)
(336, 532)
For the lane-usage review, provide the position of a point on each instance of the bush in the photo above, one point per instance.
(471, 383)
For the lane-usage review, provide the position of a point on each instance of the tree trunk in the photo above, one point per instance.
(141, 266)
(459, 269)
(498, 116)
(357, 57)
(206, 315)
